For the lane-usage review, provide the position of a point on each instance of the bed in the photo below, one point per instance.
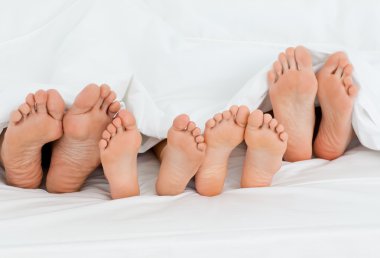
(165, 53)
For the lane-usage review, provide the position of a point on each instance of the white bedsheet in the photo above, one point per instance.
(315, 208)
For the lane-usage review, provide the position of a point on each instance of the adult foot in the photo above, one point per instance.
(336, 95)
(181, 157)
(35, 123)
(266, 144)
(76, 154)
(118, 153)
(222, 134)
(292, 90)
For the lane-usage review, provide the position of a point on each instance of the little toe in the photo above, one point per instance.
(15, 117)
(271, 77)
(256, 119)
(201, 146)
(291, 58)
(280, 128)
(242, 116)
(199, 139)
(284, 62)
(180, 122)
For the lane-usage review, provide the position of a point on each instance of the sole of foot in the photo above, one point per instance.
(181, 157)
(223, 133)
(118, 154)
(76, 155)
(336, 95)
(35, 123)
(266, 144)
(292, 90)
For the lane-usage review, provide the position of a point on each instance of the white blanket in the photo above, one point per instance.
(169, 57)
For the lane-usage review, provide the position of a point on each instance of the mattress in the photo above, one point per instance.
(315, 208)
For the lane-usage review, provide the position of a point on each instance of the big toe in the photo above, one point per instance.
(256, 119)
(127, 119)
(86, 99)
(242, 116)
(55, 104)
(334, 61)
(180, 122)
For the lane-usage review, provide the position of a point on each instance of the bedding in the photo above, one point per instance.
(198, 57)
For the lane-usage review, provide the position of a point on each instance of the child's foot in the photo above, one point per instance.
(181, 157)
(222, 134)
(336, 94)
(292, 90)
(76, 154)
(118, 153)
(36, 122)
(266, 145)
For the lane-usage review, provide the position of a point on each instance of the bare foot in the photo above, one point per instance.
(76, 154)
(292, 90)
(266, 145)
(36, 122)
(118, 153)
(181, 157)
(222, 134)
(336, 94)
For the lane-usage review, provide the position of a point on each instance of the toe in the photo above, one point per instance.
(25, 109)
(271, 77)
(277, 68)
(273, 123)
(226, 115)
(196, 132)
(127, 119)
(15, 117)
(111, 129)
(210, 123)
(191, 126)
(105, 91)
(106, 135)
(234, 109)
(103, 144)
(242, 116)
(347, 71)
(218, 117)
(333, 61)
(267, 119)
(199, 139)
(352, 91)
(108, 101)
(117, 123)
(291, 58)
(41, 100)
(283, 136)
(280, 128)
(180, 122)
(284, 62)
(256, 119)
(303, 58)
(113, 109)
(31, 102)
(55, 104)
(86, 99)
(201, 146)
(343, 62)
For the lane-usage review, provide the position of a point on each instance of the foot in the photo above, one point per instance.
(222, 134)
(292, 90)
(35, 123)
(118, 153)
(181, 157)
(76, 154)
(266, 145)
(336, 95)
